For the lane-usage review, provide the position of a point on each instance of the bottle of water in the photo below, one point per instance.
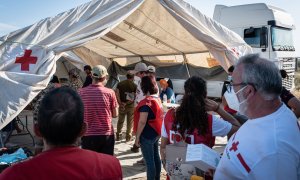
(165, 98)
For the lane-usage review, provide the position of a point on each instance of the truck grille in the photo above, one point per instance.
(289, 65)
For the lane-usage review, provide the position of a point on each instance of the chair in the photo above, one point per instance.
(7, 131)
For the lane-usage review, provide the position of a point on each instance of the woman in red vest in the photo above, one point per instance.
(148, 117)
(191, 122)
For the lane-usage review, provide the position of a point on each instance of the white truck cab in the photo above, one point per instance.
(267, 29)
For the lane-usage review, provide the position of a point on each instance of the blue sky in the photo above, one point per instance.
(16, 14)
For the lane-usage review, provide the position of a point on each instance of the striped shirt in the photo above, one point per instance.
(98, 103)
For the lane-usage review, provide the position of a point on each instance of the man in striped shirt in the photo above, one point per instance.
(100, 106)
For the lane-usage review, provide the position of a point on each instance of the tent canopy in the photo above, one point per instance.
(108, 30)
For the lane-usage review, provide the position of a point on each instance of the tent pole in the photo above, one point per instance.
(186, 63)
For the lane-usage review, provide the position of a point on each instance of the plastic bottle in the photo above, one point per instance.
(165, 98)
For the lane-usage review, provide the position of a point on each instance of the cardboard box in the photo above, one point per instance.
(176, 166)
(198, 155)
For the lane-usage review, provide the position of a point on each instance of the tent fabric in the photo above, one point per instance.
(104, 30)
(174, 70)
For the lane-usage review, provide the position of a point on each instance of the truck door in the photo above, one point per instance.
(257, 38)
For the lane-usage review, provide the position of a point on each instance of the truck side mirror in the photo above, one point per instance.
(264, 38)
(249, 31)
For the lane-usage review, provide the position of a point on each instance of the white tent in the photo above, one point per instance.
(107, 29)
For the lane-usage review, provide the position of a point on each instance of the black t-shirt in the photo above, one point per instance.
(88, 81)
(148, 132)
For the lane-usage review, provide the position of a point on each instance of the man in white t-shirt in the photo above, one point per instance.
(267, 146)
(140, 70)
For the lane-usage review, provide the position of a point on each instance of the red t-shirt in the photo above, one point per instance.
(66, 163)
(191, 137)
(98, 103)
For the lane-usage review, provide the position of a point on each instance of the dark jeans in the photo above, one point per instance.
(100, 143)
(150, 153)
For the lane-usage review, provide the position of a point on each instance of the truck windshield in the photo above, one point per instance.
(282, 39)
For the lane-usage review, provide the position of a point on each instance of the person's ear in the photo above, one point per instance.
(83, 129)
(37, 131)
(250, 91)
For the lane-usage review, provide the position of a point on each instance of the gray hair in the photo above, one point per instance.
(262, 74)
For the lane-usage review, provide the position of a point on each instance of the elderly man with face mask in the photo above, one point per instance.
(267, 146)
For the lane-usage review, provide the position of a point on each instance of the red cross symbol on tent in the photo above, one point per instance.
(26, 60)
(235, 51)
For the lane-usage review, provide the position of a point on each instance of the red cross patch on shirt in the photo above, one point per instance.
(234, 148)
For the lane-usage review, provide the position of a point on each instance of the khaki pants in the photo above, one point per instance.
(127, 111)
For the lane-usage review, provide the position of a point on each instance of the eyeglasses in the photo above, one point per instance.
(239, 84)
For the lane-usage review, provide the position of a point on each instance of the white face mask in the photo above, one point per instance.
(137, 80)
(233, 101)
(229, 78)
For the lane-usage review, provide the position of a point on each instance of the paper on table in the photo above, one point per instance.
(200, 152)
(167, 106)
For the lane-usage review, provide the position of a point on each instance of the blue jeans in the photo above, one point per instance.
(150, 153)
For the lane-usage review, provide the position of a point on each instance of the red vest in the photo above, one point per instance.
(155, 106)
(190, 138)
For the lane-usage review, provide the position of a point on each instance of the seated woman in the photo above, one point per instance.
(166, 91)
(148, 118)
(191, 122)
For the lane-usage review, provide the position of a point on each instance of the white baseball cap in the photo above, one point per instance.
(151, 69)
(140, 67)
(99, 71)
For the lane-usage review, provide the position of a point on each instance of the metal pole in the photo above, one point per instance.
(186, 63)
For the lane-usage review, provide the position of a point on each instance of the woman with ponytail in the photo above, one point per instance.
(192, 123)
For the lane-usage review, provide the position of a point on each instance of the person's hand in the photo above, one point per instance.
(210, 173)
(211, 105)
(122, 106)
(163, 161)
